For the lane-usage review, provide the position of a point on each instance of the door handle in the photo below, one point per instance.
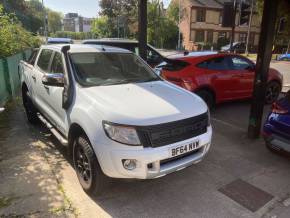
(34, 78)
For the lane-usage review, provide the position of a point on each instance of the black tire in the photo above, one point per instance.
(208, 98)
(88, 170)
(30, 110)
(273, 91)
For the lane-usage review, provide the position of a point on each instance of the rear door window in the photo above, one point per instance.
(57, 64)
(44, 59)
(219, 63)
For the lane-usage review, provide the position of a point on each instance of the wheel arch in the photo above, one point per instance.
(275, 80)
(208, 89)
(24, 87)
(75, 130)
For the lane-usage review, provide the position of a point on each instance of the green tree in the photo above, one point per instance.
(120, 13)
(162, 27)
(14, 37)
(173, 11)
(54, 21)
(27, 12)
(281, 38)
(101, 28)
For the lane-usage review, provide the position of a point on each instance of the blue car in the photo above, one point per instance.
(276, 130)
(283, 57)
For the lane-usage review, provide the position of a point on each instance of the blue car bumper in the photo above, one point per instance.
(275, 138)
(277, 142)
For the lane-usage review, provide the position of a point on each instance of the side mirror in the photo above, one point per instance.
(53, 79)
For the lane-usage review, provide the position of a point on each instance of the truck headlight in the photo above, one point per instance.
(123, 134)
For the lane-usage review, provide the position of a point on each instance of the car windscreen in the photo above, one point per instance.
(105, 68)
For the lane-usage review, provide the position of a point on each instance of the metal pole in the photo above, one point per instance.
(234, 25)
(142, 28)
(44, 22)
(179, 37)
(262, 67)
(249, 28)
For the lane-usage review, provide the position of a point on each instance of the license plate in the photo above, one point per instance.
(182, 149)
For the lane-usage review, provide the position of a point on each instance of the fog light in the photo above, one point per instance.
(129, 164)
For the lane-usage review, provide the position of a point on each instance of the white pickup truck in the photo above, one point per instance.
(117, 117)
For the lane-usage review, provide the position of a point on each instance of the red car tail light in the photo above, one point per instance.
(277, 109)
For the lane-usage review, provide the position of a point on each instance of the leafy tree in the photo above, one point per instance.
(120, 13)
(101, 28)
(28, 12)
(14, 37)
(162, 27)
(54, 21)
(281, 38)
(173, 11)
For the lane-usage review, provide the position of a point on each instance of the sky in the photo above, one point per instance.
(85, 8)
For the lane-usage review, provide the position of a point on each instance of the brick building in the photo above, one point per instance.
(201, 25)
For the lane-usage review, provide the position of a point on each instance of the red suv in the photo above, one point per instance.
(217, 77)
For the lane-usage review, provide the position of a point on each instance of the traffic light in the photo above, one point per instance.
(245, 13)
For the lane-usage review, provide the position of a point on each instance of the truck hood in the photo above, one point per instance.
(144, 103)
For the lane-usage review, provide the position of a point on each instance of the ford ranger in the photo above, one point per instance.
(116, 116)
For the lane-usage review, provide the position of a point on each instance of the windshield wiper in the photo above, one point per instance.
(123, 81)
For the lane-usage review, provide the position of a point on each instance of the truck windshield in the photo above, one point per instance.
(104, 68)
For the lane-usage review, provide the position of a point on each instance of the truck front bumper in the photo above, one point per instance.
(153, 162)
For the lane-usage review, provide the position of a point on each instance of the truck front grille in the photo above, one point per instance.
(169, 133)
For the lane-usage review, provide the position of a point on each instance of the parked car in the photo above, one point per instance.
(59, 41)
(217, 77)
(153, 56)
(283, 57)
(115, 115)
(238, 47)
(276, 130)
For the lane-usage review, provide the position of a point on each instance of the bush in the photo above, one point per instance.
(73, 35)
(14, 37)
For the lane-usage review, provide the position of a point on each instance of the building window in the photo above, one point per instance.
(209, 36)
(243, 37)
(200, 15)
(221, 18)
(199, 36)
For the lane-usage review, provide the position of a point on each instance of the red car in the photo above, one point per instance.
(217, 77)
